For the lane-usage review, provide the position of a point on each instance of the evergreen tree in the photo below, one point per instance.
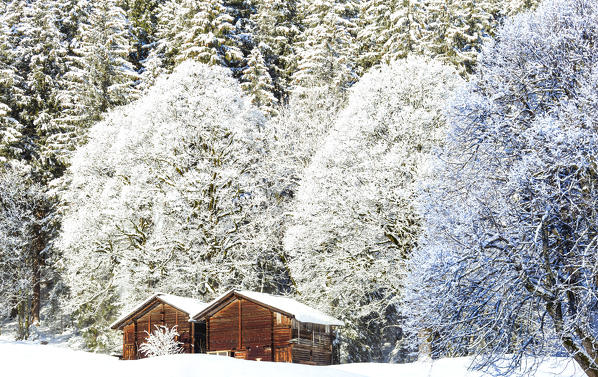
(388, 30)
(257, 83)
(455, 30)
(326, 45)
(143, 16)
(203, 31)
(100, 75)
(276, 30)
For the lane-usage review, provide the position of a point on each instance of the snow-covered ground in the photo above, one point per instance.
(30, 359)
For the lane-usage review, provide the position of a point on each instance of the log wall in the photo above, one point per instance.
(159, 314)
(254, 332)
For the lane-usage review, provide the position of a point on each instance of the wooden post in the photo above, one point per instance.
(192, 324)
(207, 334)
(272, 336)
(240, 328)
(135, 339)
(163, 315)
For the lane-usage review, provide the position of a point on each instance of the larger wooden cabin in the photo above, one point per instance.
(258, 326)
(241, 324)
(162, 310)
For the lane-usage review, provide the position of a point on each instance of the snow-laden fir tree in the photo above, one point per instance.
(388, 30)
(203, 31)
(455, 30)
(161, 342)
(33, 61)
(143, 16)
(326, 46)
(508, 266)
(99, 75)
(22, 201)
(354, 225)
(276, 30)
(257, 83)
(169, 195)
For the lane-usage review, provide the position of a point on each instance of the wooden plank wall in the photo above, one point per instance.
(254, 332)
(312, 344)
(162, 315)
(249, 330)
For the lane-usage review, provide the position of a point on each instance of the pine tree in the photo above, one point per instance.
(203, 31)
(143, 16)
(455, 30)
(276, 30)
(325, 47)
(100, 75)
(388, 30)
(257, 83)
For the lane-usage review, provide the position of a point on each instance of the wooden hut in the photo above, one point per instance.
(162, 310)
(258, 326)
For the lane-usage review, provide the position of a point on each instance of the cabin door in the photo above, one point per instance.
(129, 345)
(282, 354)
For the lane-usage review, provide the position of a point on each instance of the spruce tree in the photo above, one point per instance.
(100, 75)
(276, 30)
(326, 45)
(257, 83)
(455, 30)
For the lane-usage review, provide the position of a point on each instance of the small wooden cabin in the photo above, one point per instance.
(162, 310)
(258, 326)
(241, 324)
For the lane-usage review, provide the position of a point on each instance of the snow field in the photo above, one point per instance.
(30, 359)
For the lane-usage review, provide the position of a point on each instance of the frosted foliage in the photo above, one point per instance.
(163, 196)
(326, 44)
(354, 225)
(508, 262)
(162, 341)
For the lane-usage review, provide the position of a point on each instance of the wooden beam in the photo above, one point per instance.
(272, 335)
(135, 350)
(207, 334)
(240, 327)
(192, 324)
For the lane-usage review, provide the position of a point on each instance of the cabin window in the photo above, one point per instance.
(278, 318)
(327, 329)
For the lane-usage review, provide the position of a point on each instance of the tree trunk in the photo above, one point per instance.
(37, 247)
(36, 299)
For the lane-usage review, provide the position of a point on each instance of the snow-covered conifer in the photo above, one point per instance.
(276, 30)
(326, 45)
(257, 83)
(388, 30)
(99, 75)
(455, 30)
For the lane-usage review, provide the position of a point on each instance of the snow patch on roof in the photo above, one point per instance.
(302, 312)
(188, 305)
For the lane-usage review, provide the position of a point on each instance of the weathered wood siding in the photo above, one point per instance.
(159, 314)
(312, 344)
(244, 328)
(255, 332)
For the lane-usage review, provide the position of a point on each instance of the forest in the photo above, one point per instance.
(424, 170)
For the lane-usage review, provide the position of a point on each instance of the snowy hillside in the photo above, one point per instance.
(49, 361)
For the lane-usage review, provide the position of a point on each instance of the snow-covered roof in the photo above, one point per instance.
(287, 305)
(188, 305)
